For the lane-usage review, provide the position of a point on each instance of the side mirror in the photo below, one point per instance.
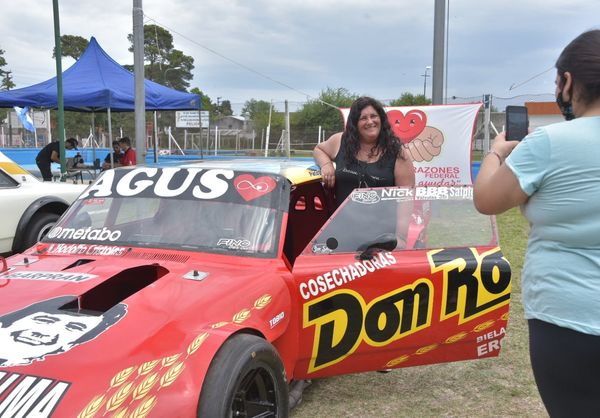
(4, 265)
(384, 242)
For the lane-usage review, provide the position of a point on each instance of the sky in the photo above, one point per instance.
(379, 48)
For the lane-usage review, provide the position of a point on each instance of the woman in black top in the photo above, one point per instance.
(366, 154)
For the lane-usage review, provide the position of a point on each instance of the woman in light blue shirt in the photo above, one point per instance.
(554, 173)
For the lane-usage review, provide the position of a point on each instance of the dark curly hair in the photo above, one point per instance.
(582, 59)
(387, 143)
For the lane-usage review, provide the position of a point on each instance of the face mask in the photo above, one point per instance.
(565, 108)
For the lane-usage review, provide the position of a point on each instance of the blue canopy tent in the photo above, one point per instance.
(97, 82)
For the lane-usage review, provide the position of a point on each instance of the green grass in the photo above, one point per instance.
(496, 387)
(457, 223)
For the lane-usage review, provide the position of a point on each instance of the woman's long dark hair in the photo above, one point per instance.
(387, 143)
(582, 59)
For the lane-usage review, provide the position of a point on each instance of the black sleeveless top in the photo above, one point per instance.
(361, 174)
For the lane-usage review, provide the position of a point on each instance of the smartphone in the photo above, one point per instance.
(517, 123)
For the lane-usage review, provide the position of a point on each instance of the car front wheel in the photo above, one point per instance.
(38, 227)
(245, 379)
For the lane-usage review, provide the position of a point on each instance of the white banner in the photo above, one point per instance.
(40, 119)
(189, 119)
(437, 138)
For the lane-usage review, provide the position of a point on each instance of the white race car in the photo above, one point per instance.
(29, 207)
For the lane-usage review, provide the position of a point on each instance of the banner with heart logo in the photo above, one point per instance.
(437, 138)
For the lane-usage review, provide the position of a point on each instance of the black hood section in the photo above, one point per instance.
(78, 263)
(119, 287)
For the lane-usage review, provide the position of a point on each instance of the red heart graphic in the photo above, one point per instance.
(407, 127)
(251, 188)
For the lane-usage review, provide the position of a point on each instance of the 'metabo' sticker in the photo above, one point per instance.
(88, 233)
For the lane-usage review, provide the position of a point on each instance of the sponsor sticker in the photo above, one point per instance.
(88, 233)
(167, 182)
(86, 249)
(276, 319)
(47, 275)
(473, 284)
(367, 197)
(338, 277)
(92, 201)
(439, 193)
(251, 188)
(444, 193)
(234, 243)
(321, 249)
(22, 395)
(397, 194)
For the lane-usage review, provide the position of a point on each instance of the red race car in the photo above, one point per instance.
(206, 289)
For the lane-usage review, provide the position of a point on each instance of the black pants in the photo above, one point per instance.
(566, 366)
(44, 167)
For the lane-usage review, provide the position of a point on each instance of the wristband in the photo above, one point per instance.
(497, 155)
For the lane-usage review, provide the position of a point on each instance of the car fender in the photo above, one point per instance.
(271, 330)
(182, 373)
(53, 203)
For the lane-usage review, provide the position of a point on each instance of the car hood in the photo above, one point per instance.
(143, 318)
(29, 182)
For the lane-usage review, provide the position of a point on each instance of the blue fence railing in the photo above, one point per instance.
(26, 157)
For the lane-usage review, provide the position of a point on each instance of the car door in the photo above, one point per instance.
(14, 202)
(368, 301)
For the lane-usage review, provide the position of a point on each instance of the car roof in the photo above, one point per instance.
(297, 171)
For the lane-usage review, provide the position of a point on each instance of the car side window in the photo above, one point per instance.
(6, 181)
(424, 218)
(355, 224)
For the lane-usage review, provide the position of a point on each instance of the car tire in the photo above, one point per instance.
(245, 378)
(38, 227)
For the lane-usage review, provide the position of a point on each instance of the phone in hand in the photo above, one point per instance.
(517, 123)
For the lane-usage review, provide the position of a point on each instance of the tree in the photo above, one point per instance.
(6, 75)
(7, 82)
(258, 112)
(224, 108)
(71, 46)
(164, 64)
(2, 59)
(316, 113)
(409, 99)
(206, 104)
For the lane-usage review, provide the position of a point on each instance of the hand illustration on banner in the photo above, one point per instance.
(426, 146)
(422, 142)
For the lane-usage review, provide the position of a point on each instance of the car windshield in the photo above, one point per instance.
(225, 224)
(425, 217)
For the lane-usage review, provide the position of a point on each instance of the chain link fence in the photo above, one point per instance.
(228, 135)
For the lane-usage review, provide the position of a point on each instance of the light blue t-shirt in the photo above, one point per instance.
(558, 166)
